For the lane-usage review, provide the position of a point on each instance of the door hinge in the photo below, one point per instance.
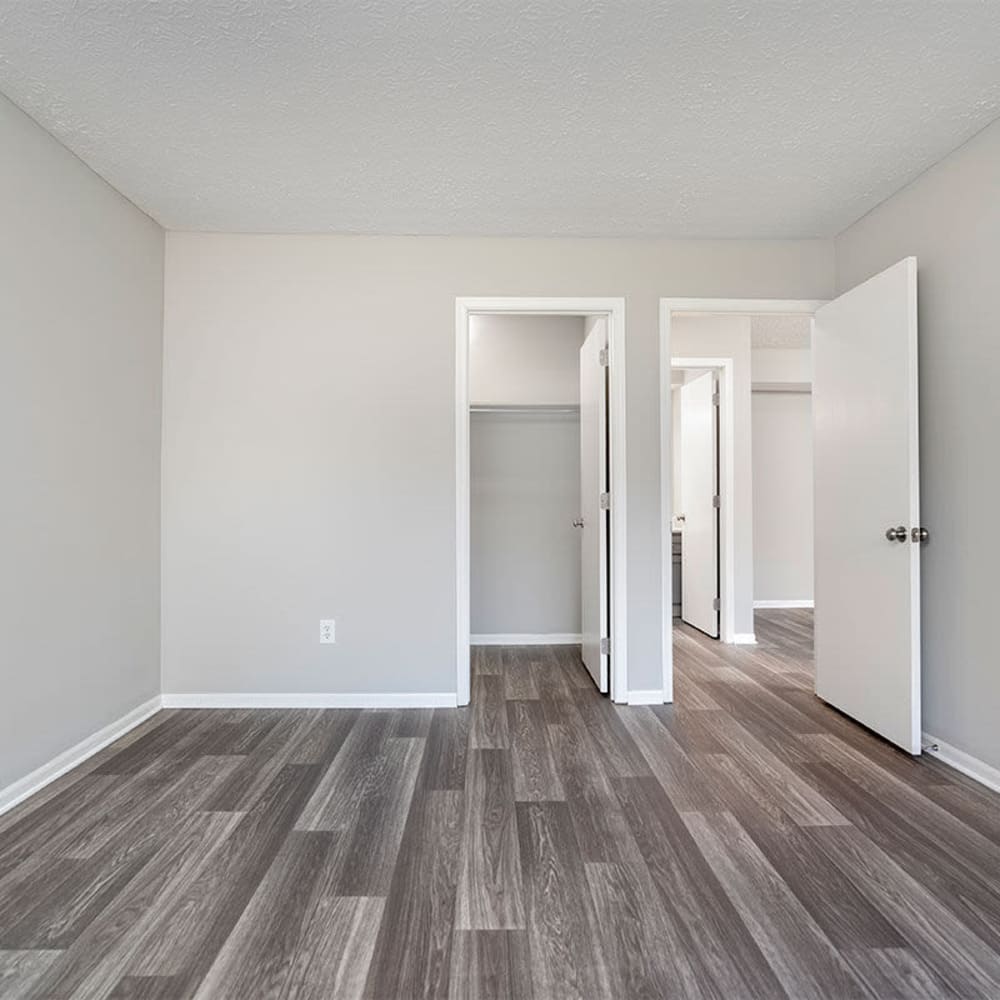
(605, 646)
(603, 357)
(716, 604)
(716, 501)
(715, 398)
(605, 501)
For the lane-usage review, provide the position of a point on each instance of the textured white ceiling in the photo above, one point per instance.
(776, 330)
(603, 117)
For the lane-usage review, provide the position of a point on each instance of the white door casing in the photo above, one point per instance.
(612, 311)
(866, 468)
(699, 487)
(593, 482)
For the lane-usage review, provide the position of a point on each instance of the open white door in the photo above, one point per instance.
(699, 487)
(867, 505)
(594, 483)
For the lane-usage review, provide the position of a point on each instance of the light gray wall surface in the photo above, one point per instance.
(782, 476)
(949, 218)
(309, 441)
(781, 364)
(722, 335)
(81, 283)
(525, 552)
(782, 496)
(524, 359)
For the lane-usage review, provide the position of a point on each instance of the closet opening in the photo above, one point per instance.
(541, 496)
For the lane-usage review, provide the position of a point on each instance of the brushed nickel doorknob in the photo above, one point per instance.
(899, 534)
(919, 535)
(578, 523)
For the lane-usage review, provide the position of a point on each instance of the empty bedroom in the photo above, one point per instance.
(488, 502)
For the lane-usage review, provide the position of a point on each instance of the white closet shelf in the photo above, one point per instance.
(524, 408)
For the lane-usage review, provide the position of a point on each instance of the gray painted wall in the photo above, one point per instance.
(524, 359)
(81, 283)
(949, 218)
(782, 475)
(308, 448)
(782, 496)
(525, 552)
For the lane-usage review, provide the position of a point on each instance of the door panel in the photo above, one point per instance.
(699, 485)
(866, 469)
(593, 482)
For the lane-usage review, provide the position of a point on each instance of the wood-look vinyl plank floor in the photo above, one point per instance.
(565, 939)
(745, 843)
(535, 774)
(490, 894)
(413, 953)
(20, 970)
(489, 965)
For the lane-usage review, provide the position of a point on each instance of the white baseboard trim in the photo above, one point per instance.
(24, 787)
(744, 639)
(294, 699)
(654, 696)
(526, 639)
(975, 768)
(784, 604)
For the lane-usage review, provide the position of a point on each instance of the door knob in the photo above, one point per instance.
(919, 535)
(899, 534)
(578, 523)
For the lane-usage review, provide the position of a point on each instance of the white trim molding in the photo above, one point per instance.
(613, 310)
(34, 782)
(971, 766)
(669, 306)
(527, 639)
(296, 699)
(744, 639)
(654, 696)
(784, 604)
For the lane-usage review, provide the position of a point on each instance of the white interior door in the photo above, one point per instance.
(699, 486)
(594, 482)
(867, 484)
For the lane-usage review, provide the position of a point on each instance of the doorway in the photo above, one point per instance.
(865, 476)
(696, 397)
(714, 335)
(735, 554)
(607, 656)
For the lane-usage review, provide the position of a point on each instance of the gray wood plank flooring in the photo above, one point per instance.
(746, 842)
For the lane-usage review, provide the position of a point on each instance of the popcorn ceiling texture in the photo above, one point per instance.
(777, 330)
(554, 117)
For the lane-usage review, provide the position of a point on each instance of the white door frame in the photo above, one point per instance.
(669, 306)
(613, 309)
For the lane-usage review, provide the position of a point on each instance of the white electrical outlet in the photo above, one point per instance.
(327, 630)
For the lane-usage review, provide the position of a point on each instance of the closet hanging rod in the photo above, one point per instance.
(524, 408)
